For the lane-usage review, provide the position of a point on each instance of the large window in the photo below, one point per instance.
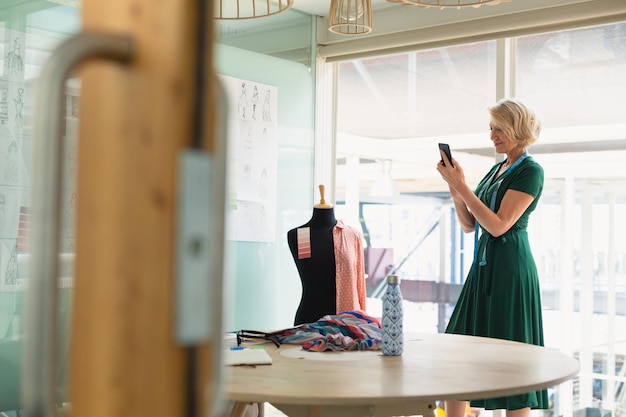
(575, 80)
(393, 110)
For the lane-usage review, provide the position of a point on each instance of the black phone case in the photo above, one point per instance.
(446, 148)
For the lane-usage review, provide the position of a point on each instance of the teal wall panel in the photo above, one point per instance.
(262, 284)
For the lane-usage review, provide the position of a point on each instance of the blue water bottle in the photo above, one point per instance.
(392, 334)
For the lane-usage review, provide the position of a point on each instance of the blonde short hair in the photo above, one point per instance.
(516, 120)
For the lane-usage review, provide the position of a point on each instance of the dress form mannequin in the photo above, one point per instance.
(312, 248)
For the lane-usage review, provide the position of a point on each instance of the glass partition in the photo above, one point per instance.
(272, 159)
(29, 32)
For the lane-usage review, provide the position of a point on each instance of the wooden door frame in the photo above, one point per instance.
(134, 121)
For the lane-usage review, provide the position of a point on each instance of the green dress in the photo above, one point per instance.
(501, 296)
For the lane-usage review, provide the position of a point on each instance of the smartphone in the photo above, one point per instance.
(446, 149)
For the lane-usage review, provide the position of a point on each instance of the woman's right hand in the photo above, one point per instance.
(452, 174)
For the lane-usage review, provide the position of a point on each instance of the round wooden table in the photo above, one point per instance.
(365, 383)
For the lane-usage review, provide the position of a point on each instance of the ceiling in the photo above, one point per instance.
(321, 7)
(378, 128)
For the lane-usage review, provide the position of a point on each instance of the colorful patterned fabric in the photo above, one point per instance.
(351, 330)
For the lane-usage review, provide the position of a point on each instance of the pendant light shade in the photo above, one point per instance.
(447, 3)
(249, 9)
(350, 17)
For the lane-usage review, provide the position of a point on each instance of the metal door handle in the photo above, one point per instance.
(39, 382)
(219, 186)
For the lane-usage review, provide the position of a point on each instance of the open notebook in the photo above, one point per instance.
(247, 356)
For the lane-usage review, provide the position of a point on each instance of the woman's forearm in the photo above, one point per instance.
(466, 219)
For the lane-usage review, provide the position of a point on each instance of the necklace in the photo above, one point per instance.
(503, 168)
(509, 161)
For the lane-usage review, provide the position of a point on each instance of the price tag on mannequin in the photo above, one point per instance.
(304, 242)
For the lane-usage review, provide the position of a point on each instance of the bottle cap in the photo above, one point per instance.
(393, 279)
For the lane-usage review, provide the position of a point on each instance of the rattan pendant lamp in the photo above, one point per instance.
(442, 4)
(249, 9)
(350, 17)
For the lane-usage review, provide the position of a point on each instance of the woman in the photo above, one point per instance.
(501, 296)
